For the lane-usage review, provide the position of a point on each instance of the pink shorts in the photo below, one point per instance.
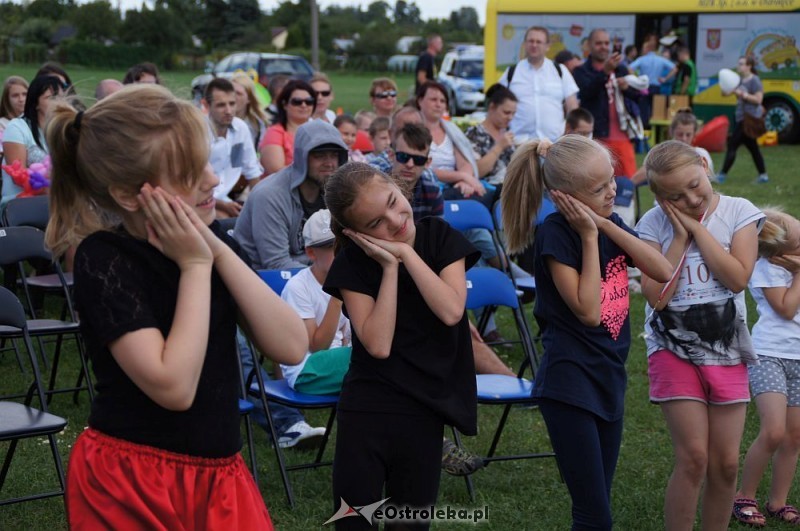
(673, 378)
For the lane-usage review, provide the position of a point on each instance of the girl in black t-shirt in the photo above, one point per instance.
(159, 292)
(582, 253)
(411, 371)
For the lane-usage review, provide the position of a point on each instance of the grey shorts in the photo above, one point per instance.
(776, 375)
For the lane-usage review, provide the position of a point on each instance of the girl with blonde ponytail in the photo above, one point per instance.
(581, 258)
(158, 285)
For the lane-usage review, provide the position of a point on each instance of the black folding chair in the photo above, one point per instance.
(18, 244)
(21, 421)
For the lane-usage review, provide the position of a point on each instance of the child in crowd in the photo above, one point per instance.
(322, 370)
(698, 345)
(581, 256)
(579, 121)
(379, 136)
(158, 285)
(346, 125)
(775, 381)
(404, 290)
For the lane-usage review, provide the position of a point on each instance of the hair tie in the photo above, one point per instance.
(78, 118)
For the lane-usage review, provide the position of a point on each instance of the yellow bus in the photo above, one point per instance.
(717, 32)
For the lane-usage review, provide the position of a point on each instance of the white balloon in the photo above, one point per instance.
(728, 80)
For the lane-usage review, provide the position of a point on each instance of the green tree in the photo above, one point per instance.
(36, 30)
(465, 19)
(96, 21)
(51, 9)
(148, 27)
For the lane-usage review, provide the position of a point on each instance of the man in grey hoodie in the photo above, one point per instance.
(270, 226)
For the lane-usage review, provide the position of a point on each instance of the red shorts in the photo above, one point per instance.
(116, 484)
(674, 378)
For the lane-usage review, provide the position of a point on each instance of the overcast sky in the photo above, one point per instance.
(429, 8)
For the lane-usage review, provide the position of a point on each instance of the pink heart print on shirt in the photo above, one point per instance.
(614, 301)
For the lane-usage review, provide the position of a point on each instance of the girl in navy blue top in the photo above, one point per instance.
(411, 370)
(582, 253)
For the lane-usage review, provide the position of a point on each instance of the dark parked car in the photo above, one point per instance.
(265, 65)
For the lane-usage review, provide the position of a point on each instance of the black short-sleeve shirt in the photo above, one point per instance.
(583, 366)
(123, 284)
(426, 63)
(430, 368)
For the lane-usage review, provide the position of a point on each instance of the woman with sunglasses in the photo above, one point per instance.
(23, 139)
(322, 85)
(383, 96)
(491, 139)
(296, 105)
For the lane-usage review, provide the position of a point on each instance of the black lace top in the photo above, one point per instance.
(123, 284)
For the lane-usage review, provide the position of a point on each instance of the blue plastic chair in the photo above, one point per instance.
(490, 287)
(277, 278)
(279, 391)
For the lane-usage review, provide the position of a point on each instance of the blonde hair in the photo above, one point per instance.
(668, 157)
(564, 168)
(255, 113)
(136, 135)
(772, 240)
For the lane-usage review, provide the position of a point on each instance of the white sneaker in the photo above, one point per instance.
(301, 436)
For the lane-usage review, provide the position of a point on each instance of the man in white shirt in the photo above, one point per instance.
(232, 152)
(546, 92)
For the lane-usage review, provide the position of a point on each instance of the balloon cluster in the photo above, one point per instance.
(34, 180)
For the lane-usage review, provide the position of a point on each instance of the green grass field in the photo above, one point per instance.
(351, 91)
(519, 495)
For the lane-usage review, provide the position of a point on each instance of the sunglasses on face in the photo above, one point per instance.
(402, 157)
(386, 94)
(324, 93)
(297, 102)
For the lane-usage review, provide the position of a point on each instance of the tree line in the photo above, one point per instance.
(185, 33)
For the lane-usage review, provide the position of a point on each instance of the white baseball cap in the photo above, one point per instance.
(317, 230)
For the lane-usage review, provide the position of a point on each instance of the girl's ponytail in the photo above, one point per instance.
(71, 209)
(521, 197)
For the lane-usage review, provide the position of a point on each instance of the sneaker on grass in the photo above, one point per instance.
(301, 436)
(457, 461)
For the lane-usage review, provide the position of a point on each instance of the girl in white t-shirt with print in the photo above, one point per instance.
(775, 381)
(698, 344)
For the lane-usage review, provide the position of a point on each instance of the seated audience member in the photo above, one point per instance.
(248, 108)
(329, 338)
(274, 87)
(232, 153)
(322, 85)
(269, 228)
(142, 73)
(380, 136)
(106, 88)
(579, 122)
(51, 68)
(492, 140)
(12, 103)
(383, 96)
(452, 158)
(296, 104)
(346, 126)
(23, 138)
(363, 122)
